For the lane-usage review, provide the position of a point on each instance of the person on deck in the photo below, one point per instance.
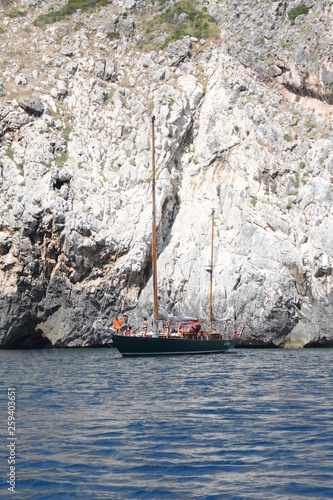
(180, 330)
(124, 320)
(167, 328)
(116, 323)
(144, 325)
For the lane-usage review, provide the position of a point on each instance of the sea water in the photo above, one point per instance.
(248, 424)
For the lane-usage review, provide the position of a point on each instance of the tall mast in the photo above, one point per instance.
(211, 273)
(154, 230)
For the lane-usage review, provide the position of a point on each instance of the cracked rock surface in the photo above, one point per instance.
(243, 125)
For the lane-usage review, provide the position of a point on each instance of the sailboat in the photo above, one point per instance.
(181, 335)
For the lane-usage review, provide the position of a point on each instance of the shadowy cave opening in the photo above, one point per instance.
(320, 343)
(27, 336)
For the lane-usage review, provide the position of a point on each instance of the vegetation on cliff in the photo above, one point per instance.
(72, 6)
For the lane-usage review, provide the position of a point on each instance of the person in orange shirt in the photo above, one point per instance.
(116, 323)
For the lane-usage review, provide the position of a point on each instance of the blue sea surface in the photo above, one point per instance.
(248, 424)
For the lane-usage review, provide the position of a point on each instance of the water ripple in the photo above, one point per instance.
(244, 425)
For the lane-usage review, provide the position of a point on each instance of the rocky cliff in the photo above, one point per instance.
(242, 93)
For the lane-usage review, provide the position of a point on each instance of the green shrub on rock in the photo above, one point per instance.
(196, 23)
(297, 11)
(68, 9)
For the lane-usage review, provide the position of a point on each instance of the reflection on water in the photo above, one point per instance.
(246, 424)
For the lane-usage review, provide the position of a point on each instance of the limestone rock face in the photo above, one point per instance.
(31, 106)
(243, 125)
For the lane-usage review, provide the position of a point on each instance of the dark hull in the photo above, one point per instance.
(141, 346)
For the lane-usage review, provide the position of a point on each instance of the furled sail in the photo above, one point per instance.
(164, 316)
